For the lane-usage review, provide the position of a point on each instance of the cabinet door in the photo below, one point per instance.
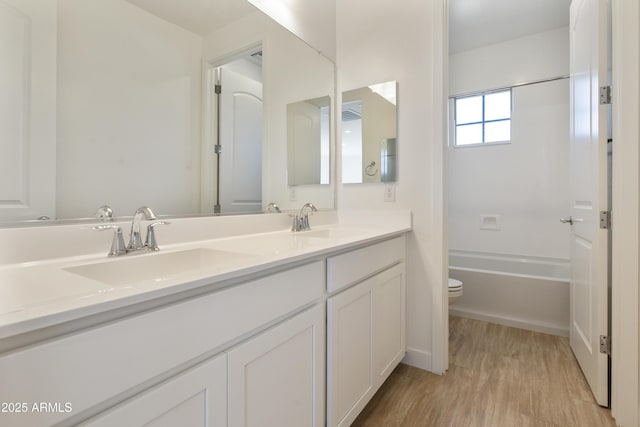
(365, 342)
(388, 322)
(349, 379)
(27, 110)
(277, 378)
(195, 398)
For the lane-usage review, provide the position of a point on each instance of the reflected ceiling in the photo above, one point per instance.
(198, 16)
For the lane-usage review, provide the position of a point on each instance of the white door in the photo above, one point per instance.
(588, 142)
(241, 143)
(27, 109)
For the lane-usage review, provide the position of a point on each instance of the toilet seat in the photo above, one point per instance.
(454, 285)
(455, 290)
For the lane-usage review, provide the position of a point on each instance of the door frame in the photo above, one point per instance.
(625, 212)
(625, 398)
(440, 103)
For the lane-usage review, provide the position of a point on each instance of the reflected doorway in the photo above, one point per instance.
(232, 173)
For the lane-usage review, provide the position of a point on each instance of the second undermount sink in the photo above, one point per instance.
(158, 266)
(273, 244)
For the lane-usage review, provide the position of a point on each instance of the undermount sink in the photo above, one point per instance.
(327, 233)
(323, 234)
(271, 244)
(157, 266)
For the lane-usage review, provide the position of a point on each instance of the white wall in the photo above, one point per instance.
(247, 68)
(381, 41)
(128, 111)
(526, 59)
(524, 183)
(292, 72)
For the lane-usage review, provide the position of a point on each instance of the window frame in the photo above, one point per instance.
(483, 122)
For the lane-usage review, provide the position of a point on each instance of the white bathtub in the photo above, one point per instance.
(525, 292)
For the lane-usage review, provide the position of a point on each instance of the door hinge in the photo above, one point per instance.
(605, 220)
(216, 209)
(605, 95)
(217, 149)
(605, 344)
(218, 89)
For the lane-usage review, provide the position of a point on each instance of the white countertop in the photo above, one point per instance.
(35, 295)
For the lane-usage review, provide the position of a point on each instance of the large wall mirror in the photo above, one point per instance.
(115, 102)
(369, 128)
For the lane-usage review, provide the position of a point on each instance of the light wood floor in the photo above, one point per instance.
(498, 376)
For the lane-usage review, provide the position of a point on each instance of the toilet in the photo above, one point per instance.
(455, 290)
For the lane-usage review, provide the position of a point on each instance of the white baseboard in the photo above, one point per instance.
(510, 321)
(418, 359)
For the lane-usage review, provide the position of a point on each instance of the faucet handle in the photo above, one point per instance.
(105, 213)
(150, 242)
(272, 207)
(117, 245)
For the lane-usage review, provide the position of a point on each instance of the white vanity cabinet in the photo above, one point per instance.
(273, 379)
(365, 326)
(149, 361)
(303, 343)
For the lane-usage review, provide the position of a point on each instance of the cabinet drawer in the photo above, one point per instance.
(92, 366)
(351, 267)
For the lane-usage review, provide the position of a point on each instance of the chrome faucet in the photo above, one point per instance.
(301, 221)
(135, 239)
(309, 206)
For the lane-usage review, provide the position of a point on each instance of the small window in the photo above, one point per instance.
(485, 118)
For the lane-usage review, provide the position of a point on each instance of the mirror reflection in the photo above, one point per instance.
(369, 126)
(123, 113)
(308, 136)
(237, 105)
